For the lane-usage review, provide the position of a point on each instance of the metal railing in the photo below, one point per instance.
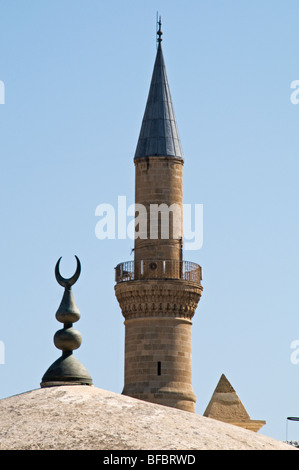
(158, 269)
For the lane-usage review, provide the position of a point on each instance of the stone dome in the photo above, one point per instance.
(82, 417)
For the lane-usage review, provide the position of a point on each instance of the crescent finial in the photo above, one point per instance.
(67, 283)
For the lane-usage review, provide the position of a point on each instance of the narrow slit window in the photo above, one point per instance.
(159, 368)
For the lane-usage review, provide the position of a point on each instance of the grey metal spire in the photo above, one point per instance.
(159, 134)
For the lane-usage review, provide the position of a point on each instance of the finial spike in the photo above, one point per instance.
(159, 31)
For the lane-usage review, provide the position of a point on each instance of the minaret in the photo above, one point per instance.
(158, 292)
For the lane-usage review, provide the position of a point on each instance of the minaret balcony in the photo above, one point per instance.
(158, 270)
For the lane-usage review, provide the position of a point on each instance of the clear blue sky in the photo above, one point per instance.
(76, 78)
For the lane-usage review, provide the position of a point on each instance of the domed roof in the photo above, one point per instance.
(83, 417)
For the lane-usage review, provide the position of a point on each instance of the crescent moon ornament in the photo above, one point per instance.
(67, 283)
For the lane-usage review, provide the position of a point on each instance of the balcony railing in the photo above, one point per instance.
(158, 269)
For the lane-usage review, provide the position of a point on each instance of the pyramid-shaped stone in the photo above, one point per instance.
(226, 406)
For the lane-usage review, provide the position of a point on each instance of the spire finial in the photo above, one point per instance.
(67, 370)
(159, 31)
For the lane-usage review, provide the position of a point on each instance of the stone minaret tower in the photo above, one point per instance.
(158, 292)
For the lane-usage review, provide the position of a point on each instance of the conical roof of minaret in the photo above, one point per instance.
(159, 134)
